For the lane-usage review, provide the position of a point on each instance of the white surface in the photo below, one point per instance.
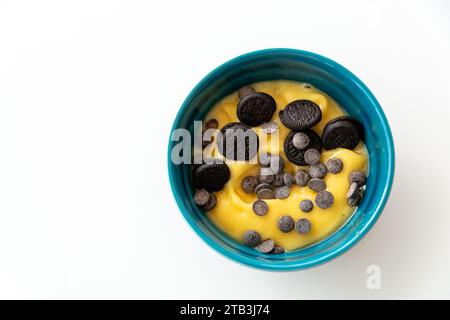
(89, 90)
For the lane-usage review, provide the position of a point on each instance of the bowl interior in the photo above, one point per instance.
(329, 77)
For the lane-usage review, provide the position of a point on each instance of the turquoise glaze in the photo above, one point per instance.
(348, 91)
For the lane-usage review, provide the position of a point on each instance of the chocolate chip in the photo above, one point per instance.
(286, 224)
(353, 191)
(296, 155)
(282, 192)
(237, 141)
(288, 179)
(318, 170)
(265, 194)
(317, 184)
(256, 108)
(279, 180)
(300, 115)
(342, 132)
(312, 156)
(266, 246)
(212, 202)
(211, 124)
(264, 159)
(356, 200)
(335, 165)
(324, 199)
(251, 238)
(266, 175)
(277, 250)
(269, 127)
(303, 226)
(276, 163)
(249, 184)
(357, 176)
(260, 207)
(201, 197)
(211, 176)
(245, 91)
(306, 205)
(262, 186)
(300, 140)
(301, 178)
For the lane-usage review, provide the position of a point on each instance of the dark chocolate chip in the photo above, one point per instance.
(276, 163)
(237, 141)
(279, 180)
(211, 124)
(211, 176)
(277, 250)
(282, 192)
(266, 246)
(300, 115)
(286, 223)
(265, 194)
(324, 199)
(318, 170)
(306, 205)
(256, 108)
(356, 200)
(251, 238)
(264, 159)
(260, 207)
(353, 191)
(296, 155)
(249, 184)
(245, 91)
(300, 140)
(357, 176)
(335, 165)
(312, 156)
(201, 197)
(288, 179)
(341, 133)
(269, 127)
(303, 226)
(317, 184)
(266, 175)
(262, 186)
(301, 178)
(212, 202)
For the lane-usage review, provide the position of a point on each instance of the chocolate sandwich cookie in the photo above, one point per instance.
(237, 141)
(342, 132)
(300, 115)
(256, 108)
(211, 176)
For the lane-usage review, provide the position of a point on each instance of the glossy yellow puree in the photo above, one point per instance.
(234, 214)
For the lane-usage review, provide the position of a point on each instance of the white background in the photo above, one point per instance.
(88, 93)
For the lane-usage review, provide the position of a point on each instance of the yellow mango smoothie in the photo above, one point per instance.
(310, 218)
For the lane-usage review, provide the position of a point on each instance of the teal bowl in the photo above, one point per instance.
(331, 78)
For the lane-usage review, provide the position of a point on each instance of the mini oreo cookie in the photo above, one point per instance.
(342, 132)
(303, 226)
(357, 176)
(277, 250)
(318, 170)
(262, 186)
(211, 176)
(306, 205)
(297, 156)
(301, 114)
(256, 108)
(335, 165)
(317, 184)
(279, 180)
(237, 141)
(266, 194)
(266, 175)
(282, 192)
(312, 156)
(301, 178)
(324, 199)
